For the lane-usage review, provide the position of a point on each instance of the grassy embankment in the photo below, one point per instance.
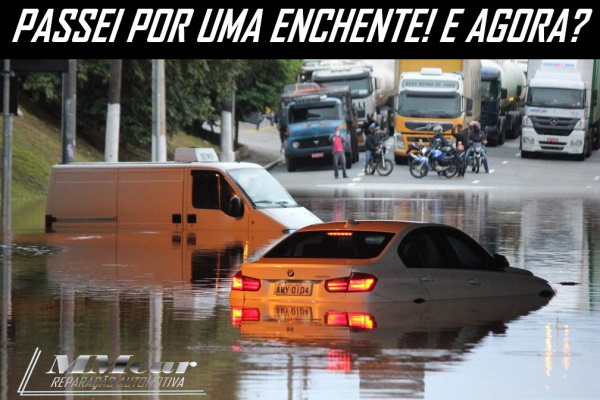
(37, 145)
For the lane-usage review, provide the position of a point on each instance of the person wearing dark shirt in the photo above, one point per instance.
(476, 134)
(372, 144)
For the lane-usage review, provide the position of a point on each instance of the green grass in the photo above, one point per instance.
(37, 145)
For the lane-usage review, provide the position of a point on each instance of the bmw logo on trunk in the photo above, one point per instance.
(290, 273)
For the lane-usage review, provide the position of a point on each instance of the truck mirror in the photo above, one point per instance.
(236, 207)
(503, 93)
(519, 90)
(469, 106)
(594, 97)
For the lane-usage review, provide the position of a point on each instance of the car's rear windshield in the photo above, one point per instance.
(331, 244)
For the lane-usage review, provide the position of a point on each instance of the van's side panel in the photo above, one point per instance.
(150, 198)
(83, 196)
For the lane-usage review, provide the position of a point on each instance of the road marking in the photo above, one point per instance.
(476, 181)
(597, 178)
(504, 162)
(518, 154)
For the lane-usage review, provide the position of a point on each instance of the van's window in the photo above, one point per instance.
(331, 244)
(210, 191)
(263, 190)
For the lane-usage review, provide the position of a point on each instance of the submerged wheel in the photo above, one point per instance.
(418, 169)
(385, 167)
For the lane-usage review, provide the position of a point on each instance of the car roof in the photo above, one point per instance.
(395, 226)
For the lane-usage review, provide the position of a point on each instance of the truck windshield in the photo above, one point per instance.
(302, 113)
(489, 90)
(263, 190)
(359, 88)
(429, 105)
(553, 97)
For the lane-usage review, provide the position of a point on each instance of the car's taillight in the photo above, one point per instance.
(351, 319)
(240, 314)
(357, 282)
(241, 282)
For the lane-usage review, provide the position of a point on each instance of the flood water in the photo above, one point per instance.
(130, 299)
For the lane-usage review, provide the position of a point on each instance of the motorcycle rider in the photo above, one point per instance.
(372, 144)
(439, 140)
(461, 142)
(476, 134)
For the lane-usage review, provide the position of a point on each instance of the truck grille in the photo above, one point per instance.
(425, 126)
(553, 125)
(311, 143)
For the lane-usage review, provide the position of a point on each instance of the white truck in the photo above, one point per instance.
(561, 110)
(372, 88)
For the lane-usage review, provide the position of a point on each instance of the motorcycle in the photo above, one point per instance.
(475, 160)
(437, 157)
(379, 162)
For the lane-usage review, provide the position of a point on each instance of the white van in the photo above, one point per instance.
(181, 195)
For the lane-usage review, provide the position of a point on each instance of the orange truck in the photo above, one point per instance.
(433, 92)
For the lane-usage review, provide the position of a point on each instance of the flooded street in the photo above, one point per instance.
(136, 304)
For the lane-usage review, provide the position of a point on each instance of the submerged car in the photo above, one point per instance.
(381, 261)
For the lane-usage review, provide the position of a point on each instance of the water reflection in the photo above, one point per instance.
(166, 297)
(392, 343)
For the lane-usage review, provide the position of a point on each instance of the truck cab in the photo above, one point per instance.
(311, 112)
(561, 109)
(426, 99)
(310, 123)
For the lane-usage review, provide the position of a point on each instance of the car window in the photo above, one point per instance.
(423, 248)
(469, 254)
(331, 244)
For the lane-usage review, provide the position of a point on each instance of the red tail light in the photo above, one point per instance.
(351, 319)
(357, 282)
(239, 314)
(241, 282)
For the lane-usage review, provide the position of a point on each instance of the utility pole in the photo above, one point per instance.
(159, 125)
(227, 123)
(69, 113)
(6, 154)
(113, 115)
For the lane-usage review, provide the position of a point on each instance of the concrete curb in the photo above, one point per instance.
(244, 151)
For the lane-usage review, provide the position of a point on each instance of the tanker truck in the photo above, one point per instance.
(562, 114)
(372, 91)
(434, 92)
(502, 99)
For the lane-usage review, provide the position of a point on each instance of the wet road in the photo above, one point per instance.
(159, 302)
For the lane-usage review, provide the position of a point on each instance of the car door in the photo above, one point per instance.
(450, 264)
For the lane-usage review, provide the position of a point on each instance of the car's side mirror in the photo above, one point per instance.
(236, 207)
(501, 261)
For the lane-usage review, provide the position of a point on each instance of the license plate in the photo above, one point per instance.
(318, 155)
(293, 313)
(552, 140)
(293, 289)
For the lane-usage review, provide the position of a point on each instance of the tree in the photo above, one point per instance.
(196, 90)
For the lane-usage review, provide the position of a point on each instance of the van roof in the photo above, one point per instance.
(164, 164)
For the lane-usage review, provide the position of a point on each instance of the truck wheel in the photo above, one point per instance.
(596, 139)
(400, 160)
(291, 164)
